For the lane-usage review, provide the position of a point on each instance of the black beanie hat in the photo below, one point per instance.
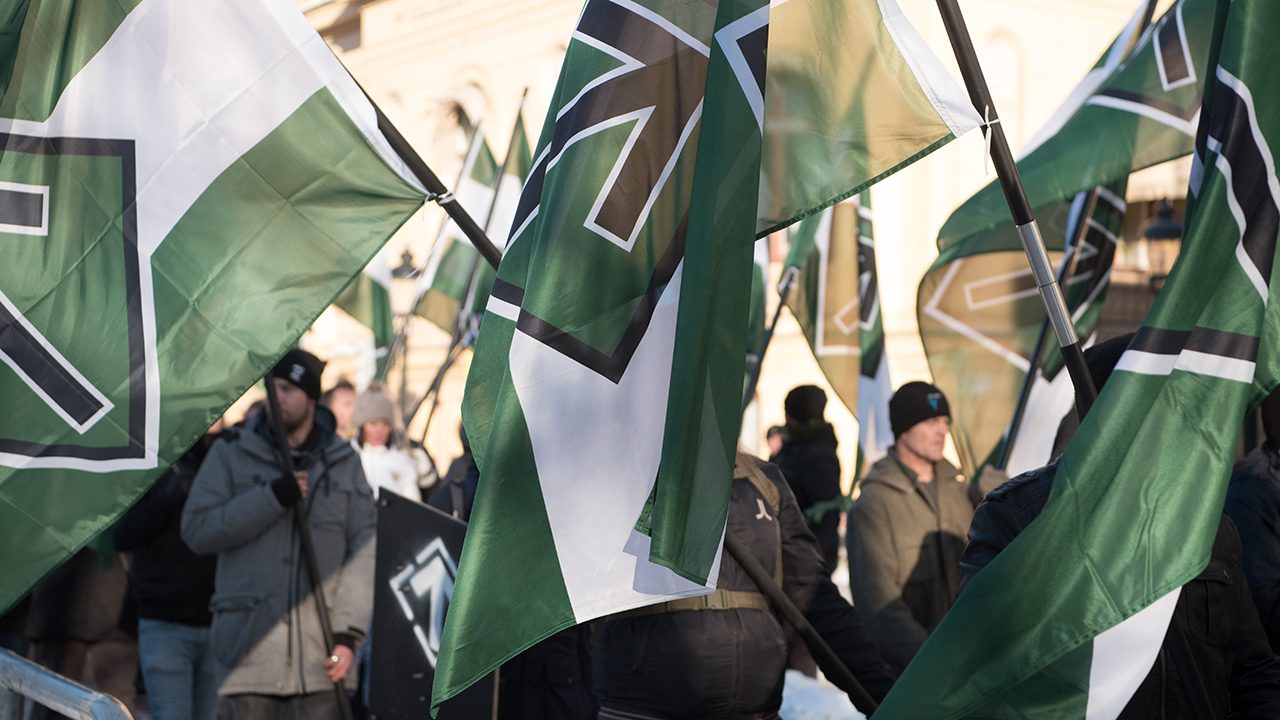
(302, 369)
(805, 403)
(913, 403)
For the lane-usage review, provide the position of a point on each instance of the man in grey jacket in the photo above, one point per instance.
(906, 530)
(265, 633)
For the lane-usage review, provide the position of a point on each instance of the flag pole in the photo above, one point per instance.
(441, 195)
(1024, 394)
(1028, 382)
(1015, 195)
(402, 332)
(464, 305)
(285, 458)
(784, 290)
(516, 129)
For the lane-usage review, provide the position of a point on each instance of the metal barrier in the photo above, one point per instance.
(20, 678)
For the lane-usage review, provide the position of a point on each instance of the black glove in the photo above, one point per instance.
(286, 490)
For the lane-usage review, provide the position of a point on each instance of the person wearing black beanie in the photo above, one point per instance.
(808, 461)
(272, 659)
(906, 529)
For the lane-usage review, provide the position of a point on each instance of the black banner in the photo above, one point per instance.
(417, 560)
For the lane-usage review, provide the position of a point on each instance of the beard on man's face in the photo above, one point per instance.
(295, 417)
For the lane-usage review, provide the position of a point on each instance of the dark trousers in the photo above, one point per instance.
(317, 706)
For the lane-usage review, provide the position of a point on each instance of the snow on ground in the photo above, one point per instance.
(804, 698)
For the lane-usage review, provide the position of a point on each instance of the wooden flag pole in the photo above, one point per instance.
(837, 672)
(1011, 183)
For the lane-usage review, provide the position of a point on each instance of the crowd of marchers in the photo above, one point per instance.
(198, 604)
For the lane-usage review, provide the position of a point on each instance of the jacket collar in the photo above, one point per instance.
(259, 441)
(891, 471)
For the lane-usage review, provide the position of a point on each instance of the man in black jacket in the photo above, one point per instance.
(809, 463)
(1253, 502)
(172, 586)
(1214, 662)
(724, 655)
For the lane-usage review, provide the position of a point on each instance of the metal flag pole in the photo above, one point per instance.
(1024, 393)
(1011, 183)
(1077, 241)
(784, 291)
(285, 459)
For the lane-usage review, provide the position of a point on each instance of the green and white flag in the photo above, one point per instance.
(836, 300)
(184, 186)
(506, 197)
(368, 299)
(604, 399)
(1069, 618)
(979, 310)
(442, 287)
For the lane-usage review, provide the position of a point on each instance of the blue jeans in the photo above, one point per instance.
(179, 670)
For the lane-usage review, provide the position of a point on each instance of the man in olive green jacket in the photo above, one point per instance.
(266, 634)
(906, 530)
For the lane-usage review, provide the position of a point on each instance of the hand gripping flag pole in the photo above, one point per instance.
(1011, 183)
(285, 459)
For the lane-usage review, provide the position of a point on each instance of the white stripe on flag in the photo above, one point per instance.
(1216, 366)
(502, 309)
(1145, 363)
(597, 446)
(1124, 654)
(948, 99)
(874, 432)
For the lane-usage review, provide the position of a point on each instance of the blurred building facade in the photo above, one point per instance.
(440, 68)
